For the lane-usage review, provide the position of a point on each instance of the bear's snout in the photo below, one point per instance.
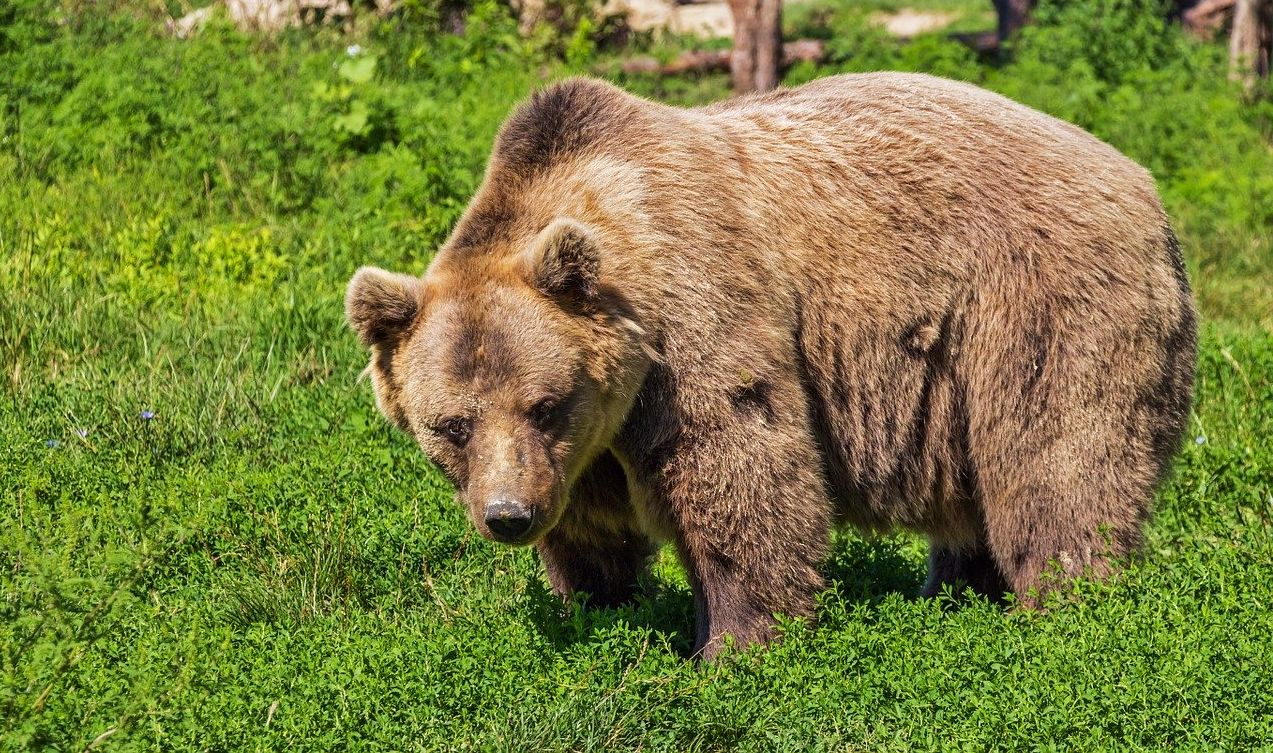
(508, 520)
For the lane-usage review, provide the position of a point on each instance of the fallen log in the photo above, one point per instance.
(704, 61)
(1205, 19)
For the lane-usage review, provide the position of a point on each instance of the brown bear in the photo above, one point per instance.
(887, 300)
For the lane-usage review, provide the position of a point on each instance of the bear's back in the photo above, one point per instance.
(957, 115)
(957, 174)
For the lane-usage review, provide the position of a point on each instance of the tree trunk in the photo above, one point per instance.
(1013, 14)
(756, 61)
(742, 61)
(1250, 40)
(769, 45)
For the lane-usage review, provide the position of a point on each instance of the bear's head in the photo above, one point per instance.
(512, 369)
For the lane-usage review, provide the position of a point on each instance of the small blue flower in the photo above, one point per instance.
(1200, 439)
(52, 444)
(146, 415)
(353, 50)
(82, 433)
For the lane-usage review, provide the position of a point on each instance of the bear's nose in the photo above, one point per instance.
(508, 519)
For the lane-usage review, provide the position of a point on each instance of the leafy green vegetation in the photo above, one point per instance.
(209, 540)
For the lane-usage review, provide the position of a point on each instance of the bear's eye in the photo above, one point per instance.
(457, 430)
(544, 414)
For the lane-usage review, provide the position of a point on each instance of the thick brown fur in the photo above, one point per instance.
(888, 300)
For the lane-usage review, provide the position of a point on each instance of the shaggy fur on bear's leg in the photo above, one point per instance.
(750, 512)
(1034, 566)
(727, 604)
(972, 568)
(607, 570)
(597, 549)
(1072, 504)
(1067, 469)
(1078, 389)
(1039, 550)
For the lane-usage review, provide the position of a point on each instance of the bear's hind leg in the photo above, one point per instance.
(1065, 489)
(1040, 538)
(1075, 407)
(962, 568)
(597, 547)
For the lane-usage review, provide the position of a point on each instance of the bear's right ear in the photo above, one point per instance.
(381, 305)
(564, 260)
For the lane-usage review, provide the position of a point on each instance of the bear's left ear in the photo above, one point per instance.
(564, 260)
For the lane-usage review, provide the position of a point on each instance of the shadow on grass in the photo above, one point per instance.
(862, 570)
(871, 569)
(663, 608)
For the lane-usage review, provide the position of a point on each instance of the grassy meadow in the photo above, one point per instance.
(209, 540)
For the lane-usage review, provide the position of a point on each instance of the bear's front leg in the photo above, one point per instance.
(597, 548)
(752, 515)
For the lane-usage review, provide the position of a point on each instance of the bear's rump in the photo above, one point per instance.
(916, 410)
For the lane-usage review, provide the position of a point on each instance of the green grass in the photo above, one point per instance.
(264, 564)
